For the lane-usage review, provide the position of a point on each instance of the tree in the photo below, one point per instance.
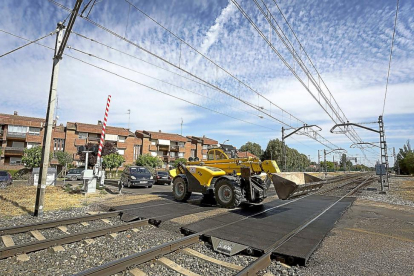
(179, 160)
(148, 161)
(107, 149)
(32, 157)
(253, 148)
(63, 158)
(295, 161)
(112, 161)
(405, 159)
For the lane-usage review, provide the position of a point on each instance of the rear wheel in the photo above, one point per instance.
(227, 193)
(180, 189)
(73, 178)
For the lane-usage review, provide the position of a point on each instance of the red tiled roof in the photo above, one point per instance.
(81, 127)
(242, 154)
(9, 119)
(208, 141)
(165, 136)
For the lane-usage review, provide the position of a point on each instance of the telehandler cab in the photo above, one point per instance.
(232, 181)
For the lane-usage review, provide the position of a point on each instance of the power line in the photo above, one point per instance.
(389, 63)
(149, 87)
(314, 135)
(160, 80)
(335, 116)
(27, 44)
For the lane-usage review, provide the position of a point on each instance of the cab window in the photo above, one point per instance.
(211, 155)
(220, 155)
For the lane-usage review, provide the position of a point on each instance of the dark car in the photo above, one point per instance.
(137, 177)
(163, 178)
(5, 179)
(75, 174)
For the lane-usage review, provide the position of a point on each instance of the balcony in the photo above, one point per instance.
(17, 135)
(34, 138)
(94, 139)
(14, 151)
(174, 148)
(80, 142)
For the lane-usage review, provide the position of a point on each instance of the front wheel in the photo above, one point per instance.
(227, 193)
(180, 189)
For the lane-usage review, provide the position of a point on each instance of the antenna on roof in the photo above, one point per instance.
(129, 117)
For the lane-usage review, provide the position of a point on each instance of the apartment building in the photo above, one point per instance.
(201, 145)
(80, 134)
(18, 133)
(167, 146)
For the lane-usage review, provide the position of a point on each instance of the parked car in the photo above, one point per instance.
(5, 179)
(162, 178)
(137, 176)
(75, 174)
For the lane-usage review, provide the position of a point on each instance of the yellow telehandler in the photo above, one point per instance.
(232, 180)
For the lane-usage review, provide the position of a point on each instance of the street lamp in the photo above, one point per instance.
(225, 141)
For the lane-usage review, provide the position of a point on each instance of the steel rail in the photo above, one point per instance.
(54, 223)
(116, 266)
(39, 245)
(265, 260)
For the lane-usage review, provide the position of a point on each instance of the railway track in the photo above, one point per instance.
(40, 239)
(159, 254)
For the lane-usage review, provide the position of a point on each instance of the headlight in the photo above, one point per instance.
(133, 177)
(151, 177)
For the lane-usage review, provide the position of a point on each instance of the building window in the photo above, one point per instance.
(16, 144)
(153, 142)
(205, 147)
(121, 139)
(32, 145)
(181, 144)
(121, 151)
(59, 144)
(181, 154)
(34, 130)
(137, 151)
(83, 135)
(17, 129)
(15, 160)
(153, 153)
(193, 153)
(111, 137)
(204, 156)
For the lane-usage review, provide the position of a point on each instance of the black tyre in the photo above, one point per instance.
(150, 186)
(180, 189)
(73, 178)
(227, 193)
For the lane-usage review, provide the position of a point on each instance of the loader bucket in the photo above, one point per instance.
(290, 184)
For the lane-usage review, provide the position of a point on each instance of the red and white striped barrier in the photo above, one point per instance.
(101, 143)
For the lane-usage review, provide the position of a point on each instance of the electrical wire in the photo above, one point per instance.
(157, 79)
(149, 87)
(389, 63)
(27, 44)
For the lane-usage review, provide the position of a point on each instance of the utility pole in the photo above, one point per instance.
(319, 161)
(60, 45)
(129, 117)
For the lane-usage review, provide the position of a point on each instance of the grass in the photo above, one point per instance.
(18, 200)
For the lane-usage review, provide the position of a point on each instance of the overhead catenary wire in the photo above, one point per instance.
(154, 78)
(389, 63)
(149, 87)
(339, 118)
(317, 137)
(27, 44)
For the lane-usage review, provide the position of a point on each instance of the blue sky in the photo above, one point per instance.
(348, 41)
